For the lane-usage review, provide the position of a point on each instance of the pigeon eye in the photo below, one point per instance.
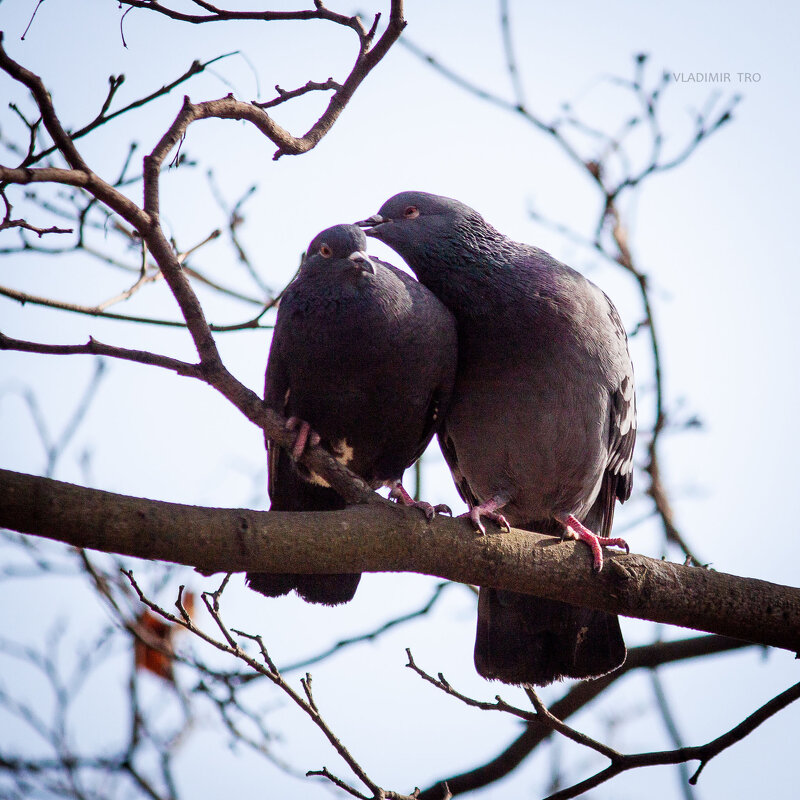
(412, 212)
(325, 251)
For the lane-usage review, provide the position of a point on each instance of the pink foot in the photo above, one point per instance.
(304, 436)
(576, 530)
(399, 494)
(489, 511)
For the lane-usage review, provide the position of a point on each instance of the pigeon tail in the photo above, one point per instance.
(329, 590)
(525, 639)
(290, 492)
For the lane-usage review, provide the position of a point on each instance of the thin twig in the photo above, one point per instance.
(265, 666)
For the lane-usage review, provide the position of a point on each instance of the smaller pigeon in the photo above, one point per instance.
(362, 361)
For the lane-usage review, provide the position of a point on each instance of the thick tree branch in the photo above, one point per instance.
(381, 538)
(81, 179)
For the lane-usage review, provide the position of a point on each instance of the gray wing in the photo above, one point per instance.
(449, 452)
(276, 394)
(623, 437)
(623, 411)
(618, 478)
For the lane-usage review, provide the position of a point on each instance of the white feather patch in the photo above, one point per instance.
(342, 452)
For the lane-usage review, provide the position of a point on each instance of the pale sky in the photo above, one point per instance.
(716, 236)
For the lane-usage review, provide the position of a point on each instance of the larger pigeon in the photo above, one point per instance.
(542, 423)
(362, 360)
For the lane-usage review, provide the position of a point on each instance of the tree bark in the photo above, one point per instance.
(381, 537)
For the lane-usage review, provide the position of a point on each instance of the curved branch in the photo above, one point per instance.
(349, 485)
(43, 100)
(222, 15)
(82, 179)
(620, 762)
(93, 347)
(578, 697)
(703, 753)
(379, 537)
(97, 311)
(310, 86)
(230, 108)
(195, 68)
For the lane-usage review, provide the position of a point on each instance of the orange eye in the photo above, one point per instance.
(412, 212)
(325, 251)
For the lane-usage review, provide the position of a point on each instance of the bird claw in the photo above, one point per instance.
(606, 542)
(573, 529)
(489, 511)
(304, 436)
(399, 494)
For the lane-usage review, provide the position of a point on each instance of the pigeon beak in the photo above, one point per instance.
(371, 223)
(361, 260)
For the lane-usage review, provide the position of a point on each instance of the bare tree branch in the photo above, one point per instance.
(619, 762)
(146, 221)
(702, 753)
(369, 56)
(99, 311)
(310, 86)
(347, 483)
(381, 537)
(115, 82)
(216, 14)
(578, 696)
(7, 222)
(266, 667)
(93, 347)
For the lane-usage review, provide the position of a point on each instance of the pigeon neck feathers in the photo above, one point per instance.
(492, 274)
(339, 288)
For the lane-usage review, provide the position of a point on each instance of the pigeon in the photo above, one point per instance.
(362, 361)
(542, 422)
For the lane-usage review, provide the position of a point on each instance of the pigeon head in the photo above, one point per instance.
(343, 245)
(418, 219)
(443, 241)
